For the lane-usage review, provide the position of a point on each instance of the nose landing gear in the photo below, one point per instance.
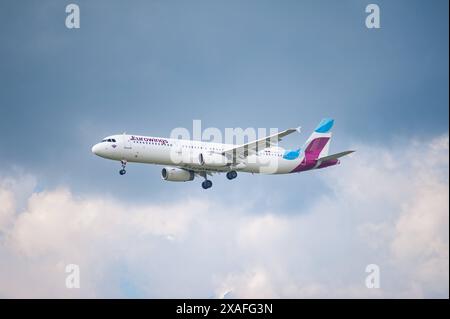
(123, 171)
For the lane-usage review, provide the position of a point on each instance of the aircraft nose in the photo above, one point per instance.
(95, 149)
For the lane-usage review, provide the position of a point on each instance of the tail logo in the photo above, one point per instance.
(325, 126)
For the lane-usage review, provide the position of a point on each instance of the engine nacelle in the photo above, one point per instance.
(213, 160)
(174, 174)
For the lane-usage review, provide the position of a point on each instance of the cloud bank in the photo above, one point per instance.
(382, 206)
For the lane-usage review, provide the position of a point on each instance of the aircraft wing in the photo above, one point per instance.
(244, 150)
(334, 156)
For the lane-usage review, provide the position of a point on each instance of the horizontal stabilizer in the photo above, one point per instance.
(335, 156)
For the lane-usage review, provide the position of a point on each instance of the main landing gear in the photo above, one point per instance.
(206, 184)
(123, 171)
(231, 175)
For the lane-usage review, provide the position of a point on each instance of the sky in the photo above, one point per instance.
(147, 67)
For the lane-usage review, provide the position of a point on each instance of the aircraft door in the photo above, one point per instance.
(127, 147)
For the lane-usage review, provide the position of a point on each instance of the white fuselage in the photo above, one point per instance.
(186, 154)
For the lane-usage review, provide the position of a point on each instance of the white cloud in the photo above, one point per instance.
(386, 206)
(7, 208)
(13, 191)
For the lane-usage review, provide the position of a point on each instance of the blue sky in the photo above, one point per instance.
(149, 66)
(152, 66)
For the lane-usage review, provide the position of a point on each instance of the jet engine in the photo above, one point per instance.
(174, 174)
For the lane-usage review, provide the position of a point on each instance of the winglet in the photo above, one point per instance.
(324, 126)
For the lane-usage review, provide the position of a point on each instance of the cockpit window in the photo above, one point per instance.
(111, 140)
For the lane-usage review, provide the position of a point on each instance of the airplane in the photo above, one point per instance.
(186, 159)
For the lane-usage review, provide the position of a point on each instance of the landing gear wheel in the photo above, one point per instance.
(123, 171)
(207, 184)
(231, 175)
